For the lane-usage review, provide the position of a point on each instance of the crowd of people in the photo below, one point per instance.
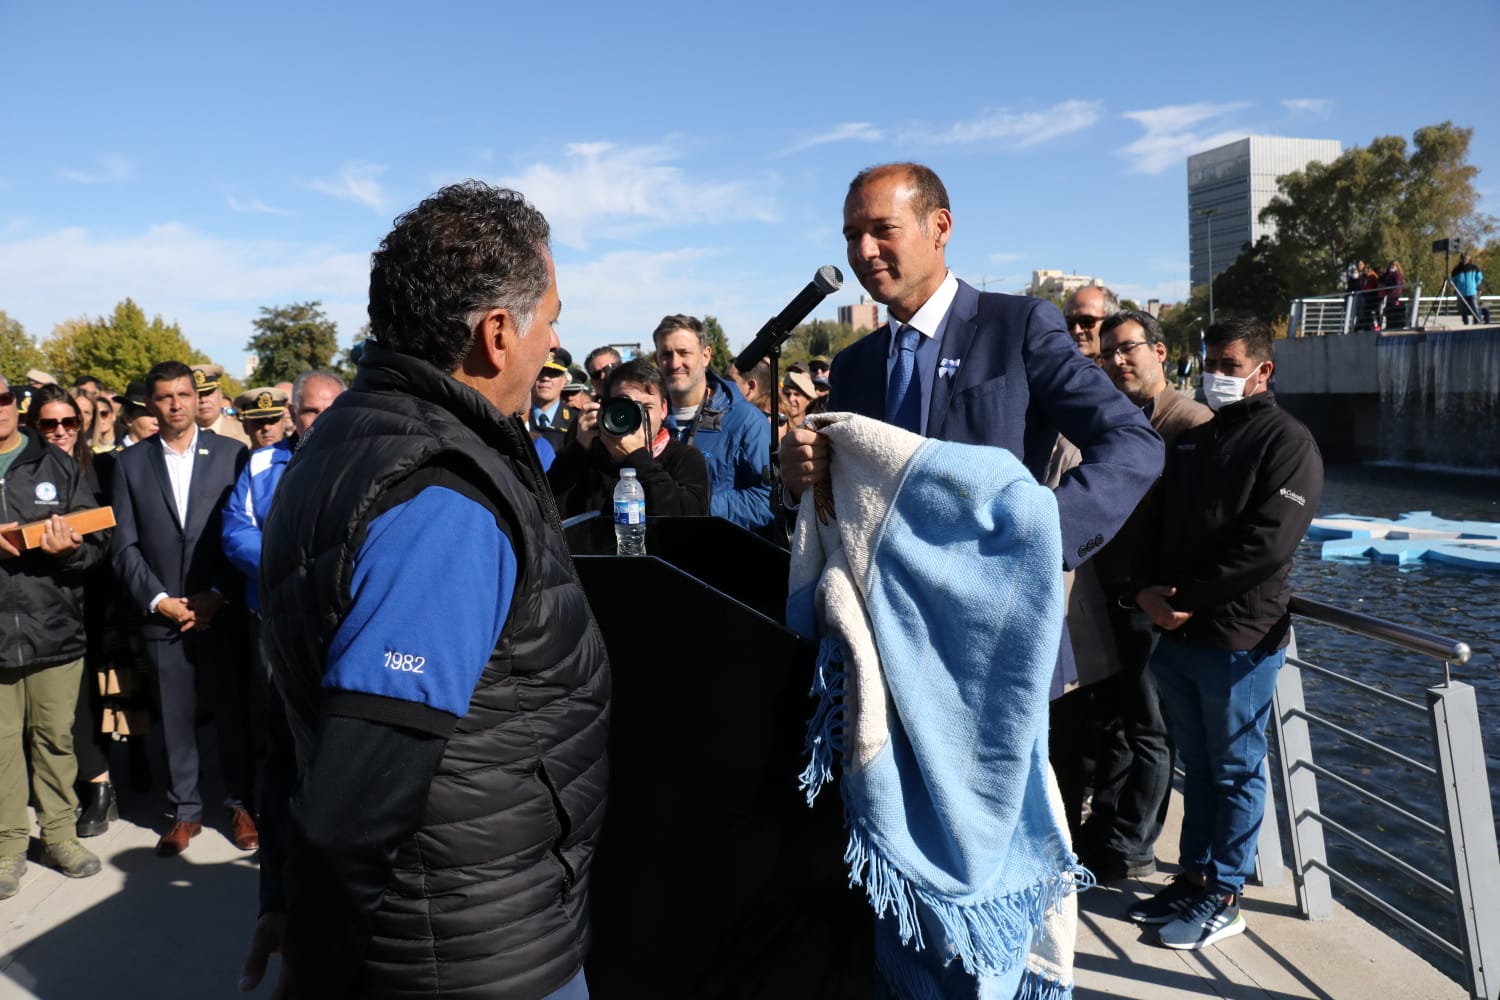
(426, 791)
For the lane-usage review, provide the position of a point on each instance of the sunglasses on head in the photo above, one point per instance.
(1082, 322)
(49, 424)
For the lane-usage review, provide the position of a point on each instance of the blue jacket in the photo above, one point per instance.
(1467, 279)
(735, 437)
(246, 511)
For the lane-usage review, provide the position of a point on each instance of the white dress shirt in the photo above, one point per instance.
(180, 475)
(930, 321)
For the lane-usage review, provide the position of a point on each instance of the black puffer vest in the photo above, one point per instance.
(490, 897)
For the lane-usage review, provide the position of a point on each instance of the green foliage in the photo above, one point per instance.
(1254, 285)
(344, 365)
(1374, 203)
(18, 352)
(719, 343)
(1130, 304)
(118, 349)
(290, 340)
(1182, 324)
(817, 339)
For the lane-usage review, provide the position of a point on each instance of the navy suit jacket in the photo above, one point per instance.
(153, 552)
(1020, 382)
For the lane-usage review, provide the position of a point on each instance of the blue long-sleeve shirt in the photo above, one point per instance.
(246, 509)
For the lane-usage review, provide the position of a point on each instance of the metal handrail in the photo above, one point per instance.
(1414, 639)
(1364, 741)
(1369, 689)
(1459, 777)
(1371, 797)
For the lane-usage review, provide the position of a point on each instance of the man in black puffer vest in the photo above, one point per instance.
(438, 768)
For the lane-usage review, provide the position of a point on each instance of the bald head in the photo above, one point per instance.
(1084, 311)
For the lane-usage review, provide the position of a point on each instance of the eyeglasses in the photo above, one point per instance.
(598, 374)
(49, 424)
(1120, 350)
(1081, 321)
(7, 399)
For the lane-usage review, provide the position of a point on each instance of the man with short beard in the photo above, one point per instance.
(1131, 752)
(710, 414)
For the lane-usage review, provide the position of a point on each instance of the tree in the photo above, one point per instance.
(719, 343)
(18, 352)
(344, 365)
(116, 350)
(1181, 324)
(1374, 203)
(817, 339)
(290, 340)
(1254, 285)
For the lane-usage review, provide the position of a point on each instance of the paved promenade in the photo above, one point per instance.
(153, 929)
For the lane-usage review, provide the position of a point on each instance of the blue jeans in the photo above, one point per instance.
(1218, 703)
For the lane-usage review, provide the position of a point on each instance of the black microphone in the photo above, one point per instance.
(827, 281)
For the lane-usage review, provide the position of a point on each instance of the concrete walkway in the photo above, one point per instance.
(152, 928)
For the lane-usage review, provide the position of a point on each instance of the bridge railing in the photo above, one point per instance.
(1349, 312)
(1455, 768)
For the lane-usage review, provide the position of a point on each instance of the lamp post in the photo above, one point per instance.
(1208, 215)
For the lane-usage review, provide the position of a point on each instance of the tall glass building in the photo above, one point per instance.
(1229, 185)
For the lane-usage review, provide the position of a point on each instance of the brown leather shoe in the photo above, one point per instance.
(242, 830)
(175, 840)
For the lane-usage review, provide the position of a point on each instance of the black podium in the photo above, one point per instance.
(713, 878)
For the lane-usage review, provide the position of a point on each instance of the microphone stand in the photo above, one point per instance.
(772, 472)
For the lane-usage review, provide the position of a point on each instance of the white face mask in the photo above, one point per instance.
(1221, 390)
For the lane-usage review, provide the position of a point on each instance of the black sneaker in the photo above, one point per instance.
(1205, 921)
(1109, 866)
(1168, 903)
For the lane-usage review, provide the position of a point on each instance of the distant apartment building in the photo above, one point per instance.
(1227, 188)
(862, 317)
(1048, 283)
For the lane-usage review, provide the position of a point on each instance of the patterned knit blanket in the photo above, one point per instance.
(932, 580)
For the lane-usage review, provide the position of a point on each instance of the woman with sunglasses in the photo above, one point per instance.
(57, 415)
(103, 437)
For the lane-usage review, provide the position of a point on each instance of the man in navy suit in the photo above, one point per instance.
(985, 368)
(169, 492)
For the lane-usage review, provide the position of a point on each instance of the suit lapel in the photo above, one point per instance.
(867, 396)
(158, 463)
(199, 503)
(958, 335)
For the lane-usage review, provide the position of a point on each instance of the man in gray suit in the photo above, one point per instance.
(168, 497)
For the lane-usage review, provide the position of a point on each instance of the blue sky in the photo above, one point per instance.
(207, 160)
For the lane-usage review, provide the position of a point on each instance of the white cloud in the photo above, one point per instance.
(255, 206)
(1006, 258)
(113, 168)
(212, 286)
(1172, 133)
(604, 190)
(1015, 130)
(847, 132)
(358, 183)
(1315, 107)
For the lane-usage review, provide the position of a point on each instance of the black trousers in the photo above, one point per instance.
(1112, 737)
(207, 670)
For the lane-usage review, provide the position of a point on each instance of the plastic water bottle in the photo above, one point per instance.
(630, 515)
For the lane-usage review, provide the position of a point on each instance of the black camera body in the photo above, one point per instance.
(620, 416)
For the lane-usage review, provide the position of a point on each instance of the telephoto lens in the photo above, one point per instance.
(620, 415)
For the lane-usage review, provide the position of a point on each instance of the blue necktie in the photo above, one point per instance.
(903, 393)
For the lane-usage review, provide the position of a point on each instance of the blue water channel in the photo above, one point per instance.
(1453, 602)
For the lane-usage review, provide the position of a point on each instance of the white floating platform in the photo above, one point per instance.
(1411, 537)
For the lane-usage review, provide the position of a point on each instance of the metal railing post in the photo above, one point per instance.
(1294, 319)
(1471, 831)
(1414, 315)
(1270, 868)
(1309, 856)
(1349, 301)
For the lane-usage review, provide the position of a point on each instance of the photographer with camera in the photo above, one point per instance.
(628, 429)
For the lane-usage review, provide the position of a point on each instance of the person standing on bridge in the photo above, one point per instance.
(1236, 497)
